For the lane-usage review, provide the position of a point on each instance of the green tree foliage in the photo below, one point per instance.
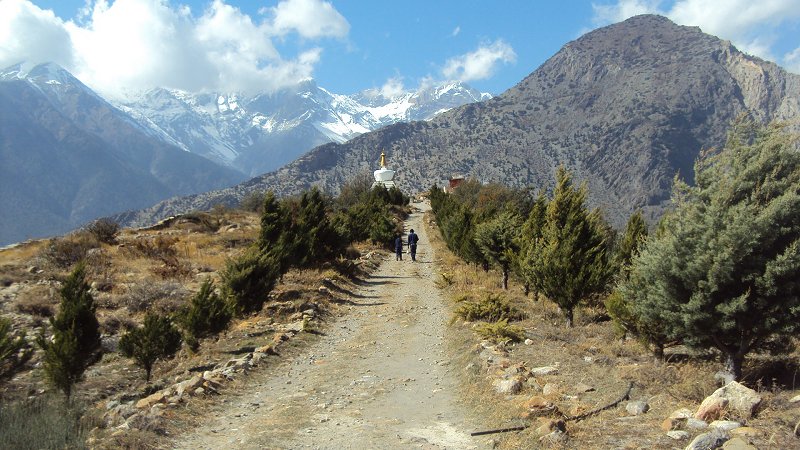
(498, 240)
(62, 361)
(76, 333)
(206, 314)
(157, 339)
(10, 346)
(316, 239)
(248, 279)
(725, 271)
(650, 334)
(531, 232)
(569, 262)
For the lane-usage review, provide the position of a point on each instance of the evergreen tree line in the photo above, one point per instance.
(720, 271)
(297, 232)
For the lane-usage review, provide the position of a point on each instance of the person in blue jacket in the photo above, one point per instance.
(412, 244)
(398, 247)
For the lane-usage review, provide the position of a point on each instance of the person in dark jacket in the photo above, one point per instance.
(412, 244)
(398, 247)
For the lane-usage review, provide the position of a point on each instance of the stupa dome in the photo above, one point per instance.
(384, 176)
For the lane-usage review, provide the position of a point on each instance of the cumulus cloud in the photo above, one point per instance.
(749, 25)
(138, 44)
(481, 63)
(28, 34)
(393, 87)
(309, 18)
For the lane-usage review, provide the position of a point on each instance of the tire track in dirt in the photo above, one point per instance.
(379, 378)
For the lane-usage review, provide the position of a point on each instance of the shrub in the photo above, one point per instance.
(206, 314)
(171, 267)
(104, 230)
(144, 295)
(66, 251)
(158, 247)
(500, 331)
(490, 308)
(248, 280)
(252, 202)
(157, 339)
(43, 422)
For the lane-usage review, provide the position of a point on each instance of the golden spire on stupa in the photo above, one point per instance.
(383, 160)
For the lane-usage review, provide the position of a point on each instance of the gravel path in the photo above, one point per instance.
(379, 378)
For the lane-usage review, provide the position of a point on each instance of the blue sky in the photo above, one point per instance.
(347, 46)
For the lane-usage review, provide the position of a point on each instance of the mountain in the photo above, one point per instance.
(624, 107)
(256, 134)
(67, 156)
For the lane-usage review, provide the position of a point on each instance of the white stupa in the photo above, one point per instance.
(384, 176)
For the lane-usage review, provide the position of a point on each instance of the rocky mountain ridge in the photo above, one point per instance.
(624, 107)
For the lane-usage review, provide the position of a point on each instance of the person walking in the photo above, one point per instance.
(398, 247)
(412, 244)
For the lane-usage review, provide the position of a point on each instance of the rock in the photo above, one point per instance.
(189, 385)
(280, 337)
(528, 341)
(795, 399)
(550, 389)
(199, 391)
(746, 432)
(723, 377)
(150, 400)
(266, 349)
(555, 438)
(670, 424)
(583, 388)
(683, 413)
(726, 425)
(545, 426)
(678, 435)
(637, 407)
(543, 371)
(537, 402)
(708, 441)
(508, 386)
(696, 424)
(731, 397)
(738, 443)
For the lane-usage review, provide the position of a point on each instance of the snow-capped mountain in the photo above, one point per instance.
(67, 157)
(259, 133)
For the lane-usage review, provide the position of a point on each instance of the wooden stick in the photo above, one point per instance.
(625, 396)
(499, 430)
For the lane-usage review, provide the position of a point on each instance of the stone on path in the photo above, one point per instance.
(731, 397)
(708, 441)
(637, 407)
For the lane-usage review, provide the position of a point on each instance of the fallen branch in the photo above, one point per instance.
(498, 430)
(625, 396)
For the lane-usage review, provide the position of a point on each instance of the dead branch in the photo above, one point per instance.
(625, 396)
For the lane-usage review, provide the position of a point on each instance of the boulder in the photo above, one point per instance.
(189, 385)
(545, 426)
(725, 425)
(708, 441)
(670, 424)
(678, 435)
(733, 397)
(738, 443)
(150, 400)
(537, 403)
(637, 407)
(550, 389)
(508, 386)
(747, 432)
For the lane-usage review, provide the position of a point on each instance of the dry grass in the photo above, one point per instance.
(592, 355)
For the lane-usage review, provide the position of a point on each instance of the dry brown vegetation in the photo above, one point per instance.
(591, 355)
(157, 269)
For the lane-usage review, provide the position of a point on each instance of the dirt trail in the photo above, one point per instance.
(379, 378)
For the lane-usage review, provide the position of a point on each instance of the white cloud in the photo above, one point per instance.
(750, 25)
(456, 31)
(309, 18)
(393, 87)
(29, 34)
(135, 44)
(792, 60)
(481, 63)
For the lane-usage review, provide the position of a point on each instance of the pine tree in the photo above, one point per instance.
(497, 239)
(248, 279)
(76, 334)
(206, 314)
(569, 262)
(157, 339)
(10, 346)
(724, 273)
(530, 233)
